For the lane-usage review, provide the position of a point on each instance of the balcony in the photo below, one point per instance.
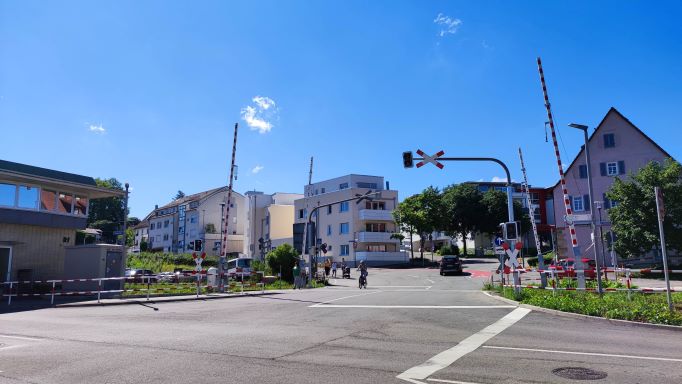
(382, 258)
(376, 237)
(376, 214)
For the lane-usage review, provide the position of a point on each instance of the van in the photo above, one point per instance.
(239, 268)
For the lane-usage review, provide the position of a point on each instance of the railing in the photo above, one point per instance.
(375, 214)
(157, 284)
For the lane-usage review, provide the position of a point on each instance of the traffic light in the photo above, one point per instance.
(260, 243)
(510, 230)
(408, 161)
(198, 246)
(323, 247)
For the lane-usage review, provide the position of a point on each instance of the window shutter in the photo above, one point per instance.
(602, 169)
(621, 167)
(607, 203)
(583, 171)
(586, 203)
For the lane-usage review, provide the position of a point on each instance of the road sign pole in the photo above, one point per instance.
(660, 211)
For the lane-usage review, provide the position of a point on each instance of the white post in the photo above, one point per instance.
(52, 300)
(660, 211)
(9, 298)
(99, 290)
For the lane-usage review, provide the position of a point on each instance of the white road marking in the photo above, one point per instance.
(470, 344)
(416, 277)
(487, 293)
(400, 286)
(451, 381)
(341, 298)
(412, 306)
(21, 337)
(431, 281)
(586, 353)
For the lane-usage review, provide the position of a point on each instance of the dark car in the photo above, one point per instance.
(450, 264)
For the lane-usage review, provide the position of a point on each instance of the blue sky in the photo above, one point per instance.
(148, 92)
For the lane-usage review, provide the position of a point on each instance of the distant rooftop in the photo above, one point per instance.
(12, 167)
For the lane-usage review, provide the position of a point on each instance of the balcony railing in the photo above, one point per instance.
(382, 257)
(376, 237)
(376, 214)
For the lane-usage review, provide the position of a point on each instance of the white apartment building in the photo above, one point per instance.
(174, 226)
(141, 231)
(352, 232)
(269, 222)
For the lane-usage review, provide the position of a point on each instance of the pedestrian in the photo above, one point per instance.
(334, 269)
(327, 267)
(297, 276)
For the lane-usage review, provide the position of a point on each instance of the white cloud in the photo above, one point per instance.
(496, 179)
(448, 24)
(257, 169)
(99, 129)
(259, 116)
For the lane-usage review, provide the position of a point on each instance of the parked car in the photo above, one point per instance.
(141, 275)
(449, 264)
(239, 268)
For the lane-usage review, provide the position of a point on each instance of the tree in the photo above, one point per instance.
(130, 237)
(107, 214)
(496, 212)
(210, 228)
(179, 195)
(463, 207)
(284, 256)
(410, 217)
(633, 214)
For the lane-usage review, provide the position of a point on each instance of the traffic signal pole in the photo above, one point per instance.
(407, 162)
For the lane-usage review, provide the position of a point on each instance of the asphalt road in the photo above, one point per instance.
(410, 325)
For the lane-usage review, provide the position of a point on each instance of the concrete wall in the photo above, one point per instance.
(40, 249)
(281, 218)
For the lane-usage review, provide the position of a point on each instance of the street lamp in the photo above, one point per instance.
(591, 194)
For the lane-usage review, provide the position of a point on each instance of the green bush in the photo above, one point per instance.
(448, 250)
(649, 308)
(533, 261)
(284, 256)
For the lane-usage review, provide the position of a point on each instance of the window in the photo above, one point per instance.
(300, 214)
(344, 250)
(367, 185)
(329, 230)
(7, 194)
(609, 140)
(612, 169)
(343, 207)
(48, 200)
(583, 171)
(317, 191)
(343, 185)
(329, 209)
(80, 206)
(322, 190)
(192, 219)
(343, 228)
(375, 205)
(28, 197)
(165, 237)
(165, 224)
(376, 248)
(151, 227)
(375, 227)
(578, 204)
(65, 202)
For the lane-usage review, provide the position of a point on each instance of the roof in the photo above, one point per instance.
(46, 173)
(612, 110)
(142, 224)
(22, 173)
(196, 196)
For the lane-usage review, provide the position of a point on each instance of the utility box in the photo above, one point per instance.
(94, 261)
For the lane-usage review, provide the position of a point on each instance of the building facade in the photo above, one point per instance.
(617, 148)
(141, 231)
(269, 222)
(175, 226)
(40, 212)
(353, 232)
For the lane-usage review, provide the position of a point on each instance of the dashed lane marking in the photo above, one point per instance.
(342, 298)
(585, 353)
(466, 346)
(21, 337)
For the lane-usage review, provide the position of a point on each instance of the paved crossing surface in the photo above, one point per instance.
(409, 325)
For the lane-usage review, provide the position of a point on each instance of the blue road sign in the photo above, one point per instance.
(498, 241)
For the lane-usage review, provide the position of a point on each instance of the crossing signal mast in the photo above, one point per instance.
(226, 222)
(562, 181)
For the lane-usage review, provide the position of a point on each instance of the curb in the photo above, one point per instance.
(587, 317)
(158, 300)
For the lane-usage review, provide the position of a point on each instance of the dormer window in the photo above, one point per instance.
(609, 140)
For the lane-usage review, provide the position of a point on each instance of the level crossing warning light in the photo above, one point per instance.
(408, 159)
(198, 245)
(510, 230)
